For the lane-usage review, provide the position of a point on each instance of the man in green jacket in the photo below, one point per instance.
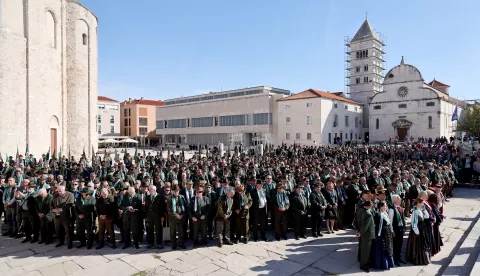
(366, 233)
(198, 213)
(84, 209)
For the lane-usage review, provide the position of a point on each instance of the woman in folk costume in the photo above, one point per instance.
(331, 213)
(429, 219)
(437, 239)
(418, 248)
(384, 239)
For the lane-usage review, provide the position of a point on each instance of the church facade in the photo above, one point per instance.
(409, 107)
(48, 77)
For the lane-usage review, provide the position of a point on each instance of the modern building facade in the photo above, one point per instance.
(364, 67)
(137, 120)
(108, 117)
(315, 117)
(409, 107)
(244, 116)
(48, 77)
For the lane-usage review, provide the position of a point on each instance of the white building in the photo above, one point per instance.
(364, 66)
(244, 116)
(316, 117)
(410, 107)
(108, 117)
(48, 76)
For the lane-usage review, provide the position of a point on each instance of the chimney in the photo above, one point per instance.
(141, 99)
(129, 100)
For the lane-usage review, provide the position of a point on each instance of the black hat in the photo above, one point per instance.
(259, 181)
(316, 185)
(85, 190)
(354, 176)
(364, 192)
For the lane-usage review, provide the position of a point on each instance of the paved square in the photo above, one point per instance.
(331, 254)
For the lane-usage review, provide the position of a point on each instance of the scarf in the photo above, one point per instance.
(399, 217)
(383, 216)
(282, 200)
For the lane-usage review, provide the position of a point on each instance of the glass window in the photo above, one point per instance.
(160, 124)
(309, 104)
(101, 106)
(233, 120)
(309, 136)
(430, 122)
(202, 122)
(142, 131)
(309, 120)
(346, 121)
(99, 117)
(177, 123)
(287, 136)
(377, 124)
(112, 119)
(297, 136)
(377, 107)
(356, 122)
(335, 105)
(346, 107)
(430, 103)
(261, 119)
(112, 129)
(402, 106)
(143, 121)
(287, 106)
(287, 120)
(99, 129)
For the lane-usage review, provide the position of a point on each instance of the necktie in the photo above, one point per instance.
(195, 205)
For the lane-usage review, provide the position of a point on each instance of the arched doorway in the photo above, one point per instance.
(54, 128)
(402, 128)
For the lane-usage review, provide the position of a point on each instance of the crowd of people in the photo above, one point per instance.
(236, 197)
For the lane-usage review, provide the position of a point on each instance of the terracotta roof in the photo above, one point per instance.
(145, 102)
(106, 99)
(436, 83)
(312, 93)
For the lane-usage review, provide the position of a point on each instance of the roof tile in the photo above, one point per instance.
(106, 99)
(144, 102)
(312, 93)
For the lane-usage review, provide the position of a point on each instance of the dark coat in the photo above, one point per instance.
(222, 209)
(155, 208)
(43, 206)
(107, 207)
(86, 209)
(366, 224)
(317, 201)
(65, 203)
(202, 207)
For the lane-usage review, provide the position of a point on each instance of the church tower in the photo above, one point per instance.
(364, 65)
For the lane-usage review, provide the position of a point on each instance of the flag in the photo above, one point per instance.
(26, 150)
(1, 159)
(116, 155)
(47, 157)
(18, 155)
(455, 114)
(84, 154)
(60, 156)
(94, 160)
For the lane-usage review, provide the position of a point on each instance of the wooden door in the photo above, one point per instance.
(53, 140)
(402, 132)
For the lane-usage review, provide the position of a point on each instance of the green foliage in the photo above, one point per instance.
(470, 120)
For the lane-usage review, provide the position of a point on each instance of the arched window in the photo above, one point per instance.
(50, 29)
(377, 123)
(366, 53)
(84, 39)
(358, 54)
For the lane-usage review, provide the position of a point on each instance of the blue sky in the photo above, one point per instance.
(170, 48)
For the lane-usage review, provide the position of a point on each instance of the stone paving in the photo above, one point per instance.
(328, 255)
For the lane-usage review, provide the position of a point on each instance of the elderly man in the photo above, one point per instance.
(198, 212)
(106, 211)
(44, 200)
(154, 210)
(397, 223)
(224, 212)
(10, 204)
(130, 209)
(29, 216)
(85, 209)
(61, 207)
(177, 210)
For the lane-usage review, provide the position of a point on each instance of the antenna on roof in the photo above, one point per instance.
(366, 15)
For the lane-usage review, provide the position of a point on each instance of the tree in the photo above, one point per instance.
(470, 120)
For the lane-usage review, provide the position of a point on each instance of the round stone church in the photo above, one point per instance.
(48, 76)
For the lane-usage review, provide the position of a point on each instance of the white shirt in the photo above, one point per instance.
(262, 198)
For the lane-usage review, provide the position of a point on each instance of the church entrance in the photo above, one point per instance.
(402, 129)
(402, 133)
(53, 140)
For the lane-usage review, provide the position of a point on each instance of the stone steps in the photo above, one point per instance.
(466, 260)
